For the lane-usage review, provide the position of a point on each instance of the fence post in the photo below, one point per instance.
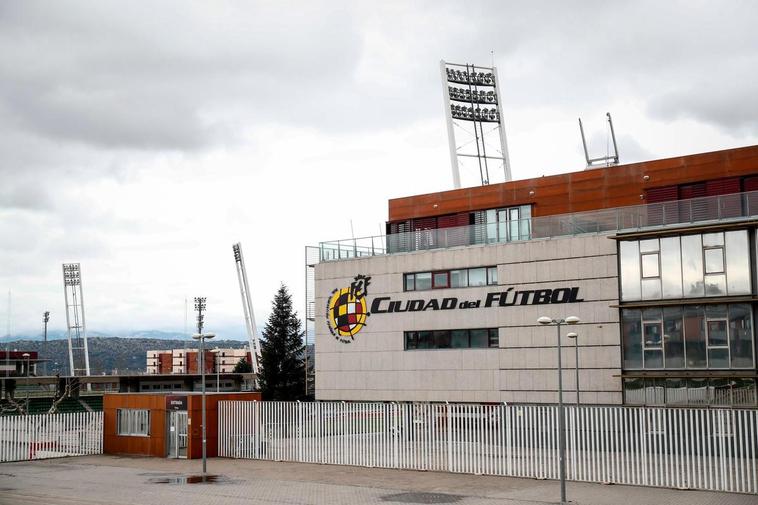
(448, 427)
(395, 435)
(299, 431)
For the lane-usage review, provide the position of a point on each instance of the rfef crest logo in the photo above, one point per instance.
(346, 310)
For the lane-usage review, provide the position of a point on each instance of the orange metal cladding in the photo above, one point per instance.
(599, 188)
(155, 443)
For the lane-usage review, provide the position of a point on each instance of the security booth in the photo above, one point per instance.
(163, 424)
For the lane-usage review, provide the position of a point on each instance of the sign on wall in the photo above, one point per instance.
(347, 308)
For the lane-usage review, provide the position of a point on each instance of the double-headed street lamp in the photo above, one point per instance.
(202, 337)
(544, 320)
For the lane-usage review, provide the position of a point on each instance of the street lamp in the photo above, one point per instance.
(26, 355)
(544, 320)
(202, 337)
(575, 337)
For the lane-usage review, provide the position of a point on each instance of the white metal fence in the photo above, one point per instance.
(50, 436)
(712, 449)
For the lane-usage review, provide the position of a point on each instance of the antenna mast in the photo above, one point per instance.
(247, 307)
(606, 160)
(78, 354)
(474, 117)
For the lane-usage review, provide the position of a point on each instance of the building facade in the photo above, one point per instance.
(185, 361)
(657, 260)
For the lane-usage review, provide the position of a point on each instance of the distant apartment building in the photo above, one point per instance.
(185, 361)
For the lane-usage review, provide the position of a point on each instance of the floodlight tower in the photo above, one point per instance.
(78, 354)
(247, 307)
(474, 116)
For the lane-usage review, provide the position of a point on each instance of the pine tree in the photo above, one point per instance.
(282, 371)
(243, 366)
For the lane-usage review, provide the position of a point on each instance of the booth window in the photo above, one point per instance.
(458, 278)
(133, 422)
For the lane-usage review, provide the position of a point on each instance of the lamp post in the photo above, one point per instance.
(202, 337)
(544, 320)
(575, 337)
(46, 319)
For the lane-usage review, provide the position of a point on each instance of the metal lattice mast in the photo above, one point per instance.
(474, 117)
(247, 307)
(312, 255)
(78, 353)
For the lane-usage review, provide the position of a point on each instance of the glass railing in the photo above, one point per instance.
(695, 210)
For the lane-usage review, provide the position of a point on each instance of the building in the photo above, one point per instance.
(162, 424)
(657, 259)
(185, 361)
(18, 363)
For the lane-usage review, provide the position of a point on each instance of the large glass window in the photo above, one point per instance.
(509, 224)
(690, 337)
(709, 264)
(456, 339)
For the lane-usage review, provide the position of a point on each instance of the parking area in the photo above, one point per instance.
(117, 480)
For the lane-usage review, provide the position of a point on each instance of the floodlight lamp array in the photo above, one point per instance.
(71, 274)
(475, 114)
(475, 78)
(237, 255)
(476, 96)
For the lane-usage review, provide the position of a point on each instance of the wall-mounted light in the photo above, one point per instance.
(531, 193)
(642, 197)
(645, 178)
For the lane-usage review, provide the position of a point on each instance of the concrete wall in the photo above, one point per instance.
(375, 366)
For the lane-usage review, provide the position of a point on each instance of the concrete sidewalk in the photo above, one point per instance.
(116, 480)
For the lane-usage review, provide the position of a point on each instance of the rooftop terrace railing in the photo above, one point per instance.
(730, 207)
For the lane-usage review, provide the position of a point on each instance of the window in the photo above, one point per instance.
(133, 422)
(452, 339)
(441, 279)
(688, 266)
(693, 391)
(714, 336)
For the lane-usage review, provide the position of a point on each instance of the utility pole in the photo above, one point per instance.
(200, 308)
(45, 319)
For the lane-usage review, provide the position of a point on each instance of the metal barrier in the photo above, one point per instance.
(24, 438)
(710, 449)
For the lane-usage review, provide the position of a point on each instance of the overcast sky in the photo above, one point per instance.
(143, 139)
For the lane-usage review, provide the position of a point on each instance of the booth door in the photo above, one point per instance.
(177, 434)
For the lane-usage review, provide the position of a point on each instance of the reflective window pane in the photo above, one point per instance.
(694, 336)
(741, 336)
(671, 267)
(477, 277)
(692, 266)
(718, 358)
(697, 391)
(459, 338)
(713, 239)
(630, 270)
(649, 245)
(651, 333)
(410, 282)
(653, 314)
(651, 288)
(425, 340)
(743, 392)
(423, 281)
(411, 340)
(458, 278)
(676, 392)
(632, 338)
(673, 337)
(442, 339)
(714, 260)
(440, 280)
(494, 337)
(492, 276)
(650, 265)
(715, 285)
(721, 394)
(737, 262)
(653, 359)
(634, 391)
(715, 311)
(717, 334)
(479, 338)
(655, 392)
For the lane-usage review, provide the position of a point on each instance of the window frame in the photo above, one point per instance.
(133, 422)
(410, 280)
(412, 340)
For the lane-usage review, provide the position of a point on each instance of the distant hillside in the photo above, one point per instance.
(59, 334)
(108, 354)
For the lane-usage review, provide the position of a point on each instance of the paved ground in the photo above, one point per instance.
(114, 480)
